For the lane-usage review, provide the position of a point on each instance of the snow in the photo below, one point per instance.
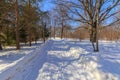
(10, 56)
(66, 59)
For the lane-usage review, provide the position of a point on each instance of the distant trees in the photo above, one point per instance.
(81, 33)
(110, 33)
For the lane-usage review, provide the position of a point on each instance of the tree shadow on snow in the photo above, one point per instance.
(11, 57)
(110, 64)
(59, 66)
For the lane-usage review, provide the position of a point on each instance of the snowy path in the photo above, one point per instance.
(65, 60)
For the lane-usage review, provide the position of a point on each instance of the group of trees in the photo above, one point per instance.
(20, 21)
(95, 14)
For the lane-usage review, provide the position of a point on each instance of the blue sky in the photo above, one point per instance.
(47, 5)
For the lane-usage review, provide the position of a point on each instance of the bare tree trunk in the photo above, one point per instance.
(62, 31)
(54, 32)
(80, 36)
(65, 33)
(94, 30)
(43, 36)
(7, 36)
(30, 40)
(94, 38)
(44, 33)
(0, 45)
(93, 46)
(97, 25)
(50, 32)
(97, 45)
(17, 30)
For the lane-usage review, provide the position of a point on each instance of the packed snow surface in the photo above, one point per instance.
(65, 59)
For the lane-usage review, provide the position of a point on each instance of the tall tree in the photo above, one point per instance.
(17, 26)
(29, 33)
(30, 15)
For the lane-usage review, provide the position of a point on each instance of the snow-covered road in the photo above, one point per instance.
(66, 60)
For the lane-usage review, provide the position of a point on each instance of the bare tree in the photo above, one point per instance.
(94, 13)
(61, 18)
